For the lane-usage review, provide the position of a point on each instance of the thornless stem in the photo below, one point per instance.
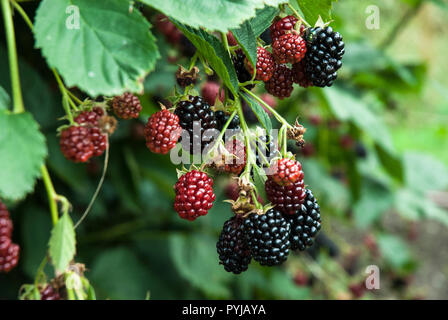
(12, 54)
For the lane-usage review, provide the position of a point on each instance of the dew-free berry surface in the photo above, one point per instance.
(240, 68)
(281, 83)
(287, 171)
(210, 91)
(299, 75)
(234, 254)
(196, 110)
(90, 120)
(76, 143)
(162, 131)
(126, 106)
(323, 59)
(265, 65)
(194, 195)
(288, 199)
(289, 48)
(281, 26)
(305, 223)
(9, 260)
(267, 236)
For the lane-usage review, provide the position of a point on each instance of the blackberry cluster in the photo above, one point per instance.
(299, 76)
(240, 68)
(222, 118)
(323, 59)
(305, 223)
(287, 171)
(196, 110)
(9, 252)
(234, 254)
(289, 48)
(267, 236)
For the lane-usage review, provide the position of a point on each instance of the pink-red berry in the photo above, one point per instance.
(210, 91)
(289, 48)
(288, 199)
(91, 120)
(126, 106)
(168, 29)
(287, 171)
(281, 83)
(49, 293)
(299, 75)
(162, 131)
(265, 65)
(194, 195)
(280, 27)
(9, 260)
(76, 143)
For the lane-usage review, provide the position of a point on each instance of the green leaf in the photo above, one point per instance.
(195, 259)
(118, 274)
(424, 173)
(62, 243)
(213, 51)
(4, 99)
(22, 153)
(111, 52)
(312, 9)
(375, 200)
(263, 19)
(261, 115)
(346, 106)
(219, 15)
(394, 250)
(391, 162)
(247, 40)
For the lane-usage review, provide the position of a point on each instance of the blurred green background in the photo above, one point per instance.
(376, 158)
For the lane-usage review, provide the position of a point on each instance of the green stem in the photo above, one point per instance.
(52, 195)
(225, 42)
(23, 14)
(246, 137)
(18, 106)
(193, 61)
(30, 25)
(275, 113)
(98, 188)
(297, 14)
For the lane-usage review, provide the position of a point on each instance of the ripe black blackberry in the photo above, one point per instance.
(305, 223)
(196, 110)
(267, 236)
(323, 57)
(234, 254)
(221, 119)
(240, 68)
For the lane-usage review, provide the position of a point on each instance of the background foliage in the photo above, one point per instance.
(385, 208)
